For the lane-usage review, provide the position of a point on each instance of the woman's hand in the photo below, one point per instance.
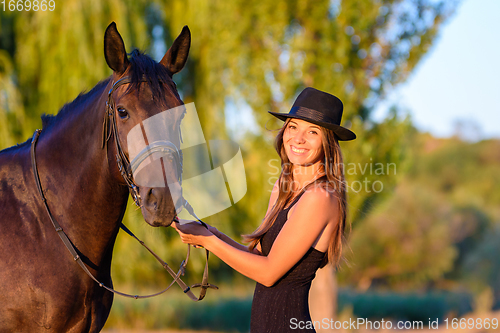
(210, 228)
(193, 233)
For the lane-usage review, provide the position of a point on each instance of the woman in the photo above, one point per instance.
(304, 224)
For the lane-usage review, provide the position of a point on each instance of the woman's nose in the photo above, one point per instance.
(299, 137)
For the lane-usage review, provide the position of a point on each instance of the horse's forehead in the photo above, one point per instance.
(167, 91)
(154, 102)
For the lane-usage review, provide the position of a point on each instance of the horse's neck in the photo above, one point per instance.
(78, 181)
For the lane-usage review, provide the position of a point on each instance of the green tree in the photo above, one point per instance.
(405, 243)
(261, 54)
(11, 107)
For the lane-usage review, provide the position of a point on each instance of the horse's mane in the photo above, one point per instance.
(142, 68)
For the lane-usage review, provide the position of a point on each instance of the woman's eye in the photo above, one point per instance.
(122, 113)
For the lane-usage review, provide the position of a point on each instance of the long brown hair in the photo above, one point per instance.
(333, 166)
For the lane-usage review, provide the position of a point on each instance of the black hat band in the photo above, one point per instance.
(312, 114)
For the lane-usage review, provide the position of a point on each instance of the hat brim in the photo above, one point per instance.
(342, 133)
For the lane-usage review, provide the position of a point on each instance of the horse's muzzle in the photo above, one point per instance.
(158, 206)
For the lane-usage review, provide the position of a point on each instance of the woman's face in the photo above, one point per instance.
(303, 142)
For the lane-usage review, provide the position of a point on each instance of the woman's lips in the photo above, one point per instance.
(298, 151)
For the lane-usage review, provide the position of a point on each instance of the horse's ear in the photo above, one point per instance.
(114, 50)
(176, 56)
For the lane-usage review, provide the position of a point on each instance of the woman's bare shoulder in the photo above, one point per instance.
(317, 201)
(324, 192)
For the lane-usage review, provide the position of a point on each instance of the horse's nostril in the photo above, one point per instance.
(150, 196)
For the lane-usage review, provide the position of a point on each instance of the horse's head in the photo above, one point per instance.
(143, 118)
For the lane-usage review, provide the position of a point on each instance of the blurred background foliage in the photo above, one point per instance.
(424, 211)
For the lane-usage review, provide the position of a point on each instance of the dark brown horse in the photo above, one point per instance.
(42, 289)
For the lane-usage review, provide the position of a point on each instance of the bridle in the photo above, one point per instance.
(126, 167)
(126, 170)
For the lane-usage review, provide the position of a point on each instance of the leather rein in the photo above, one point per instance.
(126, 171)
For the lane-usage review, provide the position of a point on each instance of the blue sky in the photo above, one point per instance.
(459, 79)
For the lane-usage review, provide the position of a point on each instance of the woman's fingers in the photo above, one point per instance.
(190, 233)
(185, 238)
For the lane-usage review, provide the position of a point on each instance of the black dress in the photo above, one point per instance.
(284, 307)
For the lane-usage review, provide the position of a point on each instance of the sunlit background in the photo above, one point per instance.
(420, 85)
(455, 87)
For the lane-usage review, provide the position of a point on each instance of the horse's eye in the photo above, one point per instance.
(122, 113)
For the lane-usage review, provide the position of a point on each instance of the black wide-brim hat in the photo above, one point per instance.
(320, 108)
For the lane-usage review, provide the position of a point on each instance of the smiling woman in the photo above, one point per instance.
(304, 224)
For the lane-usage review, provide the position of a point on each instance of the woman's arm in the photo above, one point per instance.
(233, 243)
(313, 212)
(228, 240)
